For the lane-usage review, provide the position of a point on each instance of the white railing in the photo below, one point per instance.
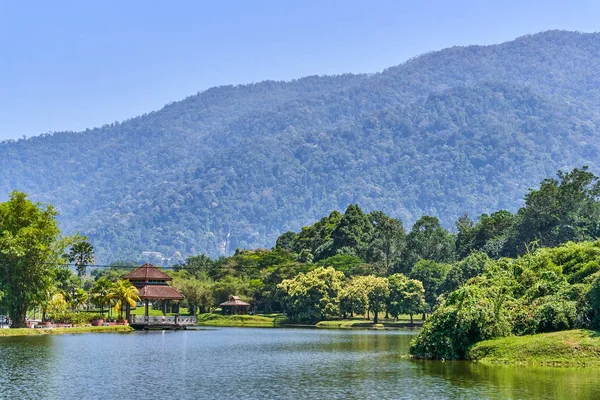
(161, 320)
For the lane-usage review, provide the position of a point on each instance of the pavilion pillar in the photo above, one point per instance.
(146, 308)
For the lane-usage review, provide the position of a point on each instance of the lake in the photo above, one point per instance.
(246, 363)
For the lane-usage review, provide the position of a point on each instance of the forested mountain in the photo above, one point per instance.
(462, 130)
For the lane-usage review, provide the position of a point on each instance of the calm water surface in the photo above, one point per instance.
(243, 363)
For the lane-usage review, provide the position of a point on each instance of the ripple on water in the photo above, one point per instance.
(262, 364)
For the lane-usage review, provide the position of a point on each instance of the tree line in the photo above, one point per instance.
(344, 264)
(365, 247)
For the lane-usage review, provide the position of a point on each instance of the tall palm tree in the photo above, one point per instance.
(123, 292)
(82, 254)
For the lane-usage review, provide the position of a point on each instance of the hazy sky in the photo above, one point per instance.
(80, 64)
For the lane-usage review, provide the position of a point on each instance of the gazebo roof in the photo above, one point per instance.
(147, 272)
(234, 301)
(159, 292)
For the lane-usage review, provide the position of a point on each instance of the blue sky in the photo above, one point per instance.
(75, 65)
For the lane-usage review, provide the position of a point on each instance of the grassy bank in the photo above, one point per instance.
(56, 331)
(361, 323)
(566, 348)
(240, 320)
(348, 324)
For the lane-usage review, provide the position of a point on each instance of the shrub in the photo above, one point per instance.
(470, 314)
(75, 318)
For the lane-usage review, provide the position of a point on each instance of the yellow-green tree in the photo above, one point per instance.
(354, 297)
(312, 296)
(123, 292)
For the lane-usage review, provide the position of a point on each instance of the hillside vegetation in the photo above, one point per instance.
(462, 130)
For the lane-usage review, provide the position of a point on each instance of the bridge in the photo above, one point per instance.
(161, 322)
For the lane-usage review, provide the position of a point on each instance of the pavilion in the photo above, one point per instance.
(234, 306)
(151, 284)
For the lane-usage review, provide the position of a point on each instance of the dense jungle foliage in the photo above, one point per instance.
(490, 279)
(462, 130)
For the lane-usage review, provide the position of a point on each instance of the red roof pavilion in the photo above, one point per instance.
(151, 284)
(234, 306)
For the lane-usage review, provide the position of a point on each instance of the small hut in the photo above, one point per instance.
(151, 284)
(234, 306)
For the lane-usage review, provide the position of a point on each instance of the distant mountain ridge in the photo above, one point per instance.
(465, 129)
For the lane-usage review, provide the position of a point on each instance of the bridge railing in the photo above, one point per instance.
(162, 320)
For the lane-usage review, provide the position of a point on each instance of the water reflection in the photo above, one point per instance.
(263, 364)
(515, 382)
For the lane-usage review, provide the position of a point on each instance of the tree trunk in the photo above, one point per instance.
(17, 316)
(375, 314)
(411, 321)
(424, 316)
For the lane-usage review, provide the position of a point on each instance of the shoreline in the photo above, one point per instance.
(277, 321)
(60, 331)
(368, 325)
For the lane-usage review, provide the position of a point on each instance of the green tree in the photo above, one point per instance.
(387, 242)
(471, 266)
(427, 240)
(123, 293)
(432, 274)
(353, 233)
(312, 296)
(471, 314)
(30, 246)
(316, 239)
(100, 293)
(492, 232)
(378, 292)
(230, 286)
(560, 211)
(465, 236)
(348, 264)
(197, 265)
(286, 241)
(407, 296)
(198, 293)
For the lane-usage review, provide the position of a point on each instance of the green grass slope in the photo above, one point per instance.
(562, 349)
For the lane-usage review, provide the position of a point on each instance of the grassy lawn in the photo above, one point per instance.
(54, 331)
(240, 320)
(567, 348)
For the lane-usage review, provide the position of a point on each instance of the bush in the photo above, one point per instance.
(470, 314)
(75, 318)
(528, 295)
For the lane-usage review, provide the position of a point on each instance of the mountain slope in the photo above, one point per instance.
(466, 129)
